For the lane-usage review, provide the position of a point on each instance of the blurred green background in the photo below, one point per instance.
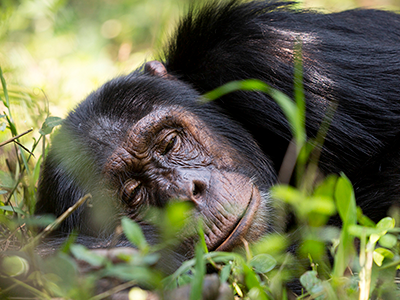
(57, 51)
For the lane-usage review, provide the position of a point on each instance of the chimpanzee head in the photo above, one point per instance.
(145, 139)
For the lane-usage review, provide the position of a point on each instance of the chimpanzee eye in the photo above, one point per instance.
(130, 193)
(169, 143)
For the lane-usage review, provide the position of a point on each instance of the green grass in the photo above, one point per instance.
(259, 271)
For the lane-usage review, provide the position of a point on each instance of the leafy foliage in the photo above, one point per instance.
(259, 271)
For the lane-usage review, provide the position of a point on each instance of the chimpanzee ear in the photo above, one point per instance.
(156, 68)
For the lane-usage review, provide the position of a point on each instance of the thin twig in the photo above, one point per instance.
(23, 147)
(14, 138)
(114, 290)
(31, 289)
(57, 222)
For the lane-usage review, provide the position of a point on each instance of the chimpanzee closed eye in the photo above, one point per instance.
(143, 139)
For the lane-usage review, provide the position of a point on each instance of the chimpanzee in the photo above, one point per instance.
(147, 137)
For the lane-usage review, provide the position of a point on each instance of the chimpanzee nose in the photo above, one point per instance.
(192, 185)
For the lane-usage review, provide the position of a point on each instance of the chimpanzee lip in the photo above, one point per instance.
(244, 223)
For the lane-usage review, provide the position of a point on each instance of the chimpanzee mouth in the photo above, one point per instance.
(244, 223)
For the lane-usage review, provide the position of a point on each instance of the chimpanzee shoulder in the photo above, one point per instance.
(347, 59)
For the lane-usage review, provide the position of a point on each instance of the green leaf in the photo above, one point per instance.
(271, 243)
(294, 111)
(312, 283)
(13, 209)
(386, 223)
(287, 194)
(14, 266)
(327, 187)
(251, 278)
(134, 234)
(200, 271)
(233, 86)
(126, 272)
(41, 221)
(263, 263)
(378, 258)
(11, 125)
(255, 293)
(388, 241)
(184, 279)
(82, 253)
(346, 206)
(6, 180)
(252, 282)
(314, 248)
(36, 170)
(319, 204)
(64, 267)
(174, 218)
(380, 254)
(6, 100)
(345, 201)
(383, 225)
(364, 220)
(68, 242)
(49, 124)
(150, 259)
(225, 273)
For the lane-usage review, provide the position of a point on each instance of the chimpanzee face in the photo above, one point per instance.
(171, 154)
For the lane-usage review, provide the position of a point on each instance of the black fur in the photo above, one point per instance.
(351, 58)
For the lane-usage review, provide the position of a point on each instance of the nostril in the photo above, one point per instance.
(198, 189)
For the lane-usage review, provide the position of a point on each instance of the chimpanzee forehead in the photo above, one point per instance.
(132, 97)
(143, 132)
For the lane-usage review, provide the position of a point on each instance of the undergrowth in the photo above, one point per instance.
(357, 261)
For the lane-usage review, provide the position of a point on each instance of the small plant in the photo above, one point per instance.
(264, 270)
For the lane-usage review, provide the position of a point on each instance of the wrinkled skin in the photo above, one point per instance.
(150, 151)
(170, 154)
